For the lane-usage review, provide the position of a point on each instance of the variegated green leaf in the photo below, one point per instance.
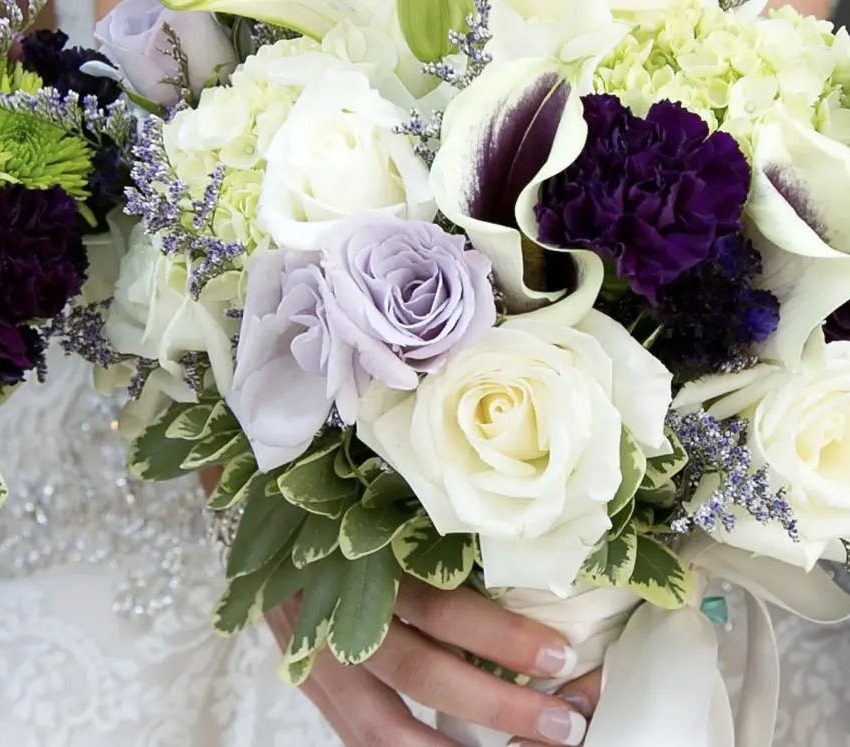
(283, 584)
(236, 475)
(365, 610)
(633, 468)
(153, 457)
(659, 575)
(221, 420)
(242, 603)
(4, 490)
(661, 469)
(295, 673)
(663, 497)
(215, 450)
(643, 518)
(367, 530)
(613, 561)
(324, 583)
(387, 488)
(191, 424)
(621, 520)
(317, 538)
(312, 483)
(266, 527)
(441, 561)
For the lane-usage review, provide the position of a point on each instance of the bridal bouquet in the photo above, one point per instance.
(551, 299)
(62, 135)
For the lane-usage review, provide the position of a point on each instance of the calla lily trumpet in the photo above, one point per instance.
(310, 17)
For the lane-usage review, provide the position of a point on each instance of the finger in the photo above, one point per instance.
(353, 701)
(367, 713)
(431, 675)
(583, 693)
(468, 620)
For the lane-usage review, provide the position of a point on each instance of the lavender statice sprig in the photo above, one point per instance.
(718, 448)
(470, 44)
(163, 200)
(426, 134)
(80, 331)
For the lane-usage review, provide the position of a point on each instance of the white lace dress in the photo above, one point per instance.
(106, 587)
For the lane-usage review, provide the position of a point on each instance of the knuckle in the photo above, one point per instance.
(505, 714)
(437, 610)
(408, 674)
(382, 735)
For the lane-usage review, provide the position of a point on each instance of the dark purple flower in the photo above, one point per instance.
(711, 315)
(44, 53)
(651, 196)
(837, 326)
(109, 178)
(42, 256)
(21, 350)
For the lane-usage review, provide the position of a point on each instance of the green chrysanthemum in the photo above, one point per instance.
(13, 78)
(40, 155)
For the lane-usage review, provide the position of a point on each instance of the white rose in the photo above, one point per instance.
(799, 221)
(799, 427)
(133, 37)
(336, 155)
(154, 316)
(518, 439)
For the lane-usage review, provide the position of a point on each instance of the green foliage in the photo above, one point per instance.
(441, 561)
(660, 470)
(612, 562)
(362, 618)
(366, 530)
(4, 490)
(659, 576)
(153, 456)
(239, 478)
(633, 465)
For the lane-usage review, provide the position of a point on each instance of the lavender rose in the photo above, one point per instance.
(410, 286)
(292, 363)
(133, 37)
(386, 299)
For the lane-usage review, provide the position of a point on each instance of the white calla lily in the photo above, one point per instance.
(311, 17)
(514, 127)
(801, 226)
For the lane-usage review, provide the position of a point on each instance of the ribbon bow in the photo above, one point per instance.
(662, 684)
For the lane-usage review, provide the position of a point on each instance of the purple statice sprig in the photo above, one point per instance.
(471, 44)
(719, 448)
(79, 330)
(426, 134)
(15, 22)
(163, 200)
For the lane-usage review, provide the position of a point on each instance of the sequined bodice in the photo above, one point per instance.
(106, 589)
(72, 502)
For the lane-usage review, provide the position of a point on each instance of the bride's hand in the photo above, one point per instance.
(362, 703)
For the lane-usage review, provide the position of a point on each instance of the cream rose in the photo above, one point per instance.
(336, 155)
(518, 439)
(799, 427)
(153, 316)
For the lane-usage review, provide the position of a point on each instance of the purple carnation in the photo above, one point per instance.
(21, 350)
(651, 196)
(42, 256)
(43, 52)
(712, 315)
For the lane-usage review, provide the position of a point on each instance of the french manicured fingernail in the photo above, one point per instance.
(556, 661)
(580, 702)
(562, 726)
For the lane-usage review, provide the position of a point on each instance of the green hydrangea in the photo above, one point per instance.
(40, 154)
(733, 72)
(233, 126)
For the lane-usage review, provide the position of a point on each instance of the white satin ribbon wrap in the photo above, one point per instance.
(662, 685)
